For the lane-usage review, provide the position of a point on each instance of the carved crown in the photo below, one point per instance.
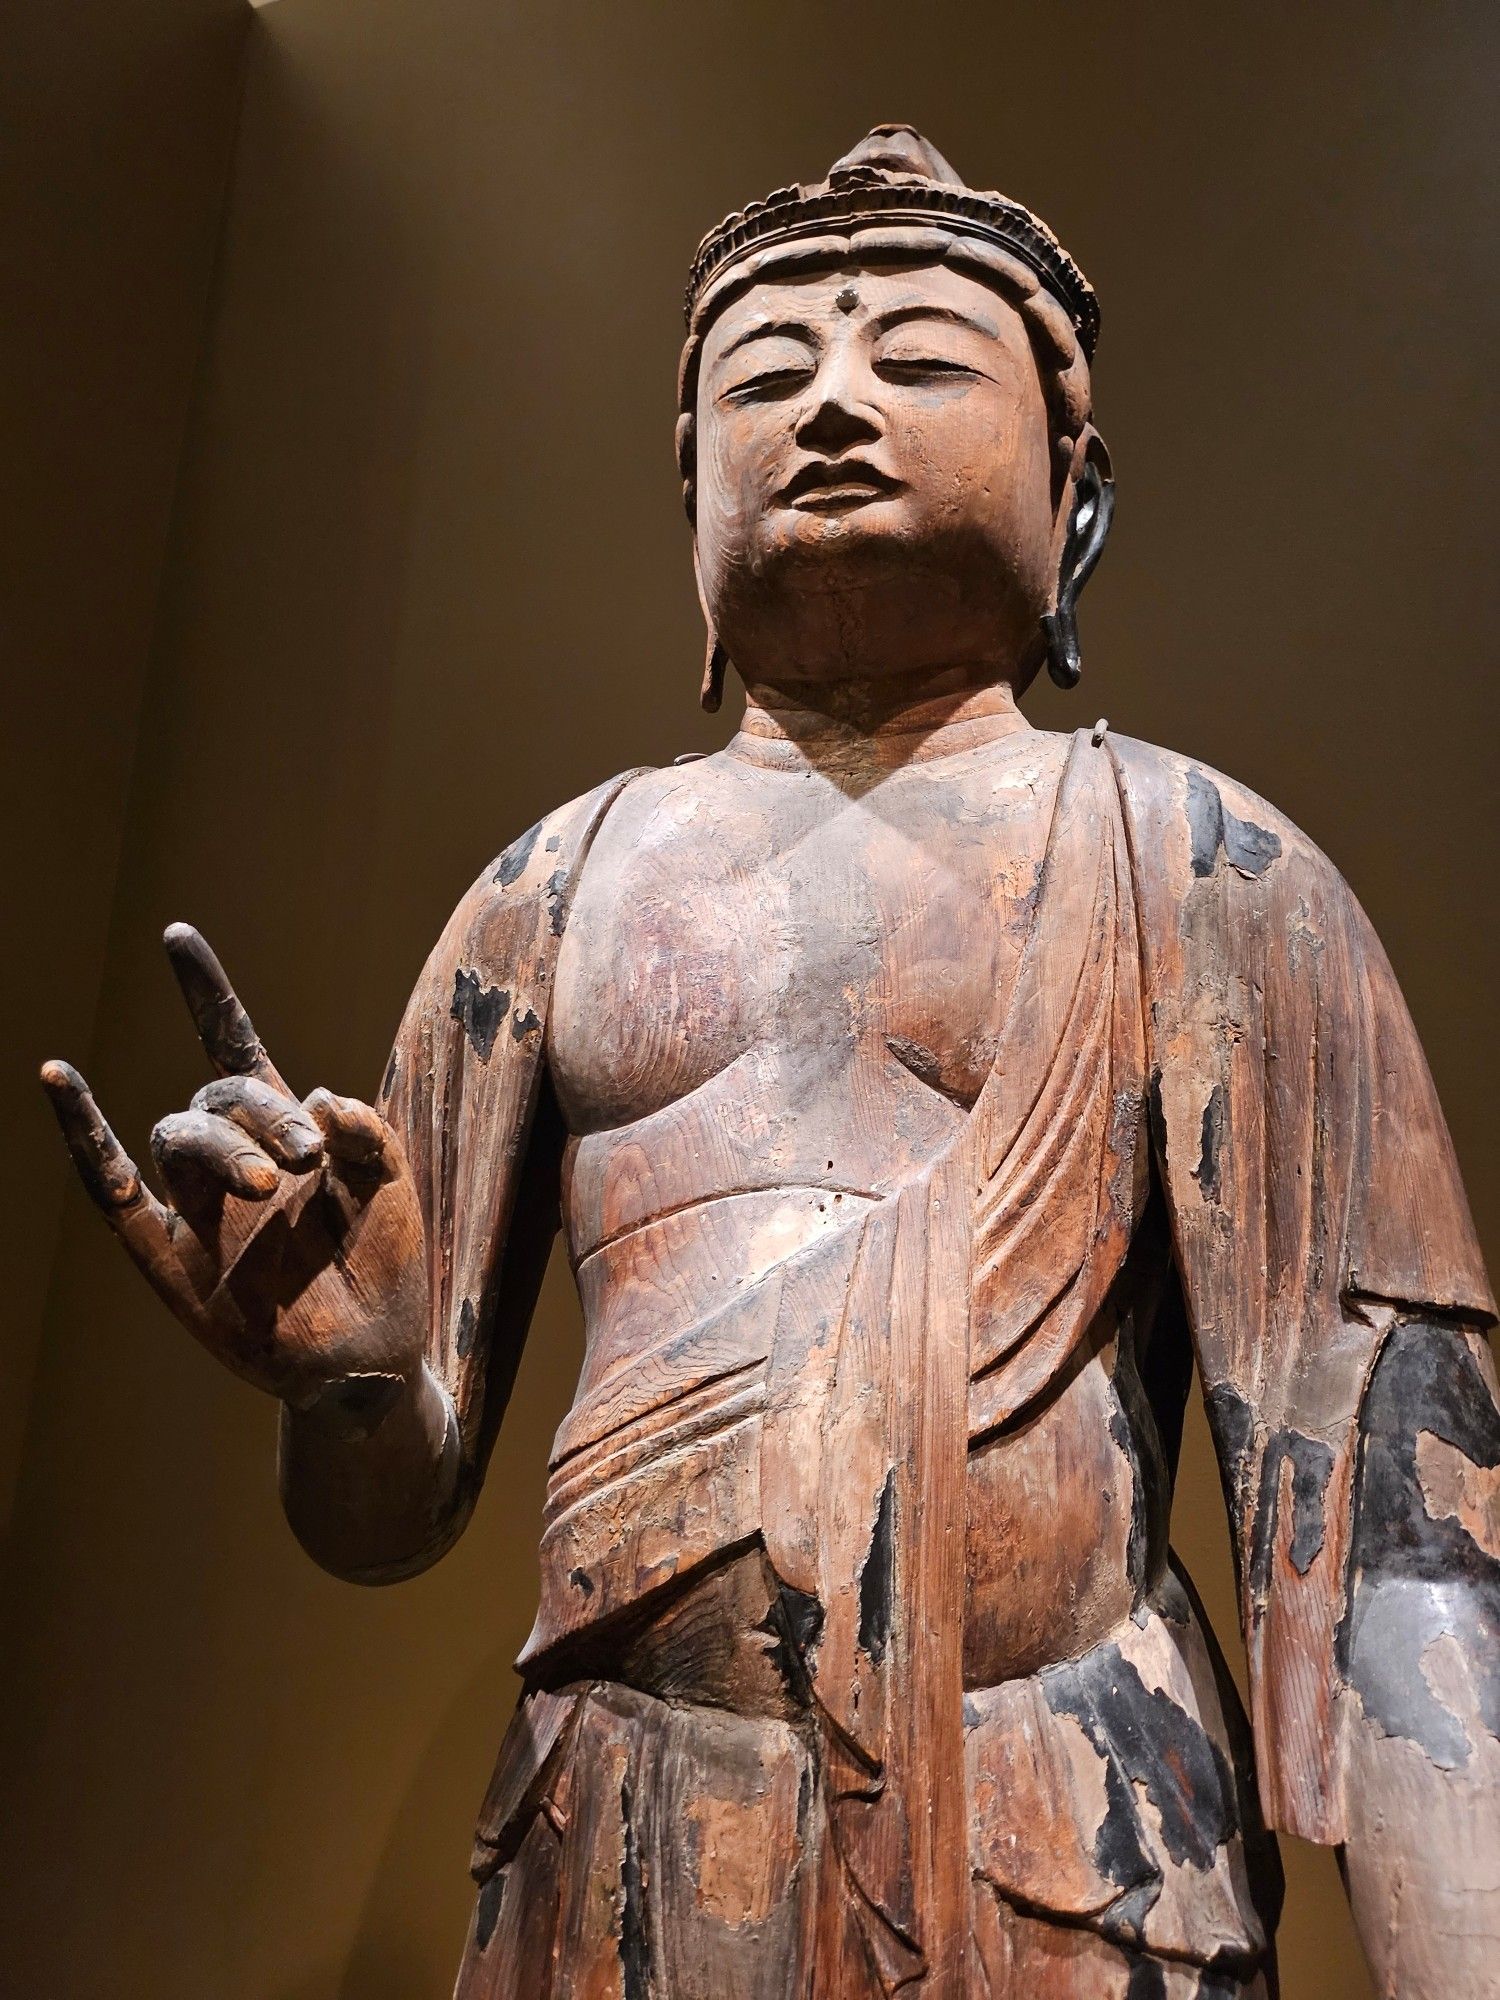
(894, 192)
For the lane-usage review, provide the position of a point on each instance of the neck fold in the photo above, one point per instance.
(881, 723)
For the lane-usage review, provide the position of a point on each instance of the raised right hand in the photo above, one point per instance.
(293, 1245)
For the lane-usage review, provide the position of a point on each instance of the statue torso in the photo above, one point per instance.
(778, 995)
(854, 951)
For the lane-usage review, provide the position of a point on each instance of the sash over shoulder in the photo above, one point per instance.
(867, 1362)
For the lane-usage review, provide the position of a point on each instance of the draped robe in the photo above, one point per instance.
(1200, 1008)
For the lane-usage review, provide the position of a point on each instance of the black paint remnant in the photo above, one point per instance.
(794, 1625)
(1124, 1920)
(1417, 1578)
(512, 862)
(1222, 1982)
(581, 1580)
(491, 1896)
(1248, 848)
(1132, 1427)
(804, 1618)
(557, 900)
(1312, 1467)
(1211, 1144)
(480, 1009)
(1233, 1426)
(1392, 1624)
(1205, 816)
(635, 1935)
(468, 1327)
(876, 1576)
(521, 1025)
(1426, 1379)
(1147, 1981)
(1154, 1743)
(1120, 1855)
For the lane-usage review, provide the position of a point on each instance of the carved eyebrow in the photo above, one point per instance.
(769, 330)
(899, 315)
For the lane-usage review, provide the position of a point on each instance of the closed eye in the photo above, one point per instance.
(924, 368)
(773, 385)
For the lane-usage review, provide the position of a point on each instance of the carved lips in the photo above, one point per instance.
(836, 486)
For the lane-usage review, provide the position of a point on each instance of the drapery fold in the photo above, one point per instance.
(1315, 1200)
(1198, 989)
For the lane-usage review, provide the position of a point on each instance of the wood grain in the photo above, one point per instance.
(920, 1098)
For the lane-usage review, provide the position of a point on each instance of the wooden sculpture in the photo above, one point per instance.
(919, 1094)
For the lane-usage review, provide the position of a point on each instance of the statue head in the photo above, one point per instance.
(885, 430)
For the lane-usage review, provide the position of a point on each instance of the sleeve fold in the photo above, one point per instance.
(1315, 1201)
(463, 1089)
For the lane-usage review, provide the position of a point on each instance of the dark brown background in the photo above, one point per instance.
(344, 539)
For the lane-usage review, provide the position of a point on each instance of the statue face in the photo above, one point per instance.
(873, 477)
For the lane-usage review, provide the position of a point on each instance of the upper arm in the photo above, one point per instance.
(466, 1092)
(1317, 1215)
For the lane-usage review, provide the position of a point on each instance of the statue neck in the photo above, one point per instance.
(877, 724)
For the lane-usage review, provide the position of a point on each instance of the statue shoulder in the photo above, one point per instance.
(493, 956)
(1189, 823)
(540, 860)
(538, 868)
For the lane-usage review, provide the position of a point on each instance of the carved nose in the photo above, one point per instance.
(833, 427)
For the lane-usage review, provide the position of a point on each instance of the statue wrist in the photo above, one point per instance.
(356, 1406)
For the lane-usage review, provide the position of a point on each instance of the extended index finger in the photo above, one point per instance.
(224, 1028)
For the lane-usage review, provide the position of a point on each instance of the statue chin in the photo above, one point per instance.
(871, 606)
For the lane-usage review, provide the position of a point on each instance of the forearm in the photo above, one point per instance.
(370, 1476)
(1420, 1714)
(1422, 1860)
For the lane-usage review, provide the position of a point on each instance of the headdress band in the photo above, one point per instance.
(893, 199)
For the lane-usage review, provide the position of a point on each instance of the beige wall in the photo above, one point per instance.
(428, 576)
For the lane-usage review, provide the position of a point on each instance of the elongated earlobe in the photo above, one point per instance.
(1089, 516)
(715, 664)
(715, 659)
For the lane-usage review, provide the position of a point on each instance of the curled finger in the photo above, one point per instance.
(276, 1122)
(194, 1151)
(353, 1132)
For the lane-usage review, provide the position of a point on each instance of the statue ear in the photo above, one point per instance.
(687, 464)
(715, 659)
(1088, 508)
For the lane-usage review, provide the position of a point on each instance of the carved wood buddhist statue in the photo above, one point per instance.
(920, 1097)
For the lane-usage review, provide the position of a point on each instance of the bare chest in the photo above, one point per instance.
(820, 939)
